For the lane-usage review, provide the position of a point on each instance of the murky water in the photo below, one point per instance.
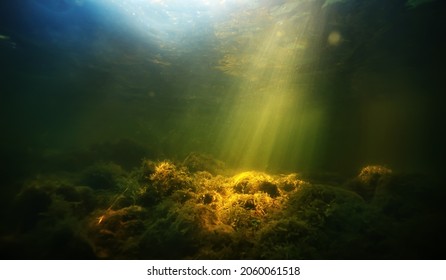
(322, 88)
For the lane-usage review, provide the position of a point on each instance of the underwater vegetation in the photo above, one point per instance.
(316, 125)
(195, 209)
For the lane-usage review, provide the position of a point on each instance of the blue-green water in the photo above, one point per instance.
(314, 87)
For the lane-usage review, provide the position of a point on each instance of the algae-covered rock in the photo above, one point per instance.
(252, 182)
(82, 196)
(102, 175)
(315, 204)
(167, 178)
(285, 238)
(115, 233)
(289, 182)
(318, 221)
(163, 210)
(368, 179)
(180, 232)
(200, 162)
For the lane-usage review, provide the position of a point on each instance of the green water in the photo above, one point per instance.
(260, 87)
(320, 88)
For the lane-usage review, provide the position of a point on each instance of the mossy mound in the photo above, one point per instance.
(163, 210)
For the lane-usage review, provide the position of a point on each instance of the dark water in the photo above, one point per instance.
(90, 88)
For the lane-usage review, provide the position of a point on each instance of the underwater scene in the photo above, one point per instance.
(222, 129)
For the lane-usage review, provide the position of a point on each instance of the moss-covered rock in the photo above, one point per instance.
(163, 211)
(199, 162)
(102, 175)
(368, 179)
(168, 178)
